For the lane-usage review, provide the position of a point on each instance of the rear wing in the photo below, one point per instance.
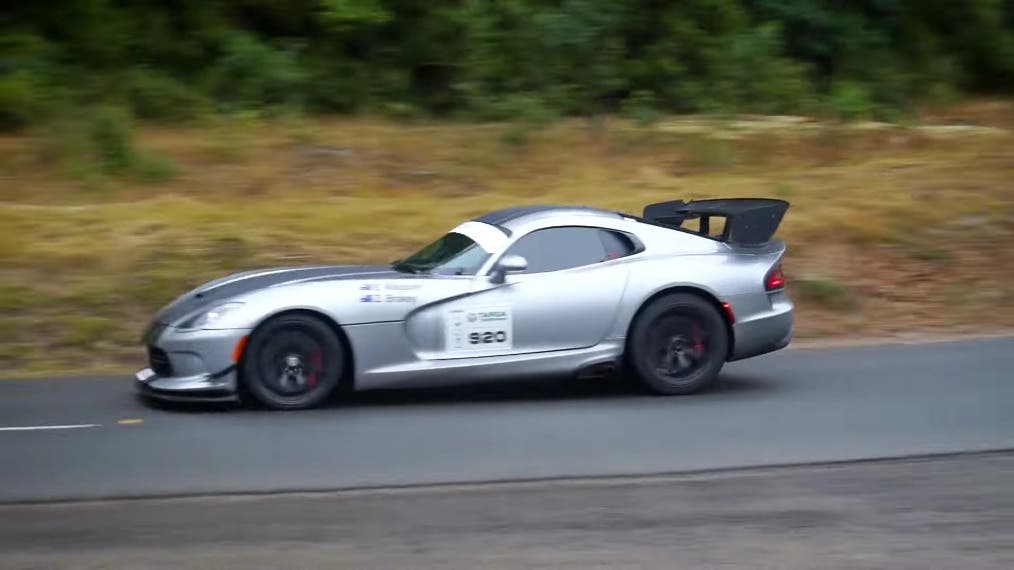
(748, 221)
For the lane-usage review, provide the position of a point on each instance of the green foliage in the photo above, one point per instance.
(850, 101)
(17, 100)
(350, 14)
(24, 95)
(154, 167)
(112, 142)
(754, 75)
(519, 107)
(85, 330)
(252, 74)
(157, 95)
(14, 297)
(110, 136)
(517, 136)
(826, 292)
(170, 62)
(642, 107)
(98, 145)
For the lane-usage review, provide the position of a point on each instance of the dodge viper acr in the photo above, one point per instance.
(666, 297)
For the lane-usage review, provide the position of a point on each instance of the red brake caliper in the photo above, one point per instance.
(698, 340)
(318, 364)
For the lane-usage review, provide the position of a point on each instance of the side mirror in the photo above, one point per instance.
(507, 264)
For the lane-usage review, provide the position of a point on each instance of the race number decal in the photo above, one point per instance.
(479, 329)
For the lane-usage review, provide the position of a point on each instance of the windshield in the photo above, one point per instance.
(453, 254)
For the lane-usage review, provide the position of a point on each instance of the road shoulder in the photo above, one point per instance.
(935, 512)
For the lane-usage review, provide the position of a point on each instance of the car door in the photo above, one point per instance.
(567, 298)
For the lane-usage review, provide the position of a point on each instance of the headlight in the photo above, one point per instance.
(208, 317)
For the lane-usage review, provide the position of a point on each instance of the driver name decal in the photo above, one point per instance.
(479, 329)
(371, 292)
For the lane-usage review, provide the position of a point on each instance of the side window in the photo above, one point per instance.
(553, 249)
(617, 245)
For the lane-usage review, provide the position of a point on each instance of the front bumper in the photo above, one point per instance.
(204, 387)
(190, 365)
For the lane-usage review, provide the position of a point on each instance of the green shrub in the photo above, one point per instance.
(229, 135)
(85, 330)
(14, 297)
(824, 291)
(251, 74)
(754, 75)
(520, 108)
(851, 101)
(111, 139)
(399, 110)
(516, 136)
(156, 95)
(100, 146)
(18, 97)
(642, 107)
(582, 57)
(153, 167)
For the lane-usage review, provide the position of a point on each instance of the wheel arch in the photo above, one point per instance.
(348, 374)
(689, 290)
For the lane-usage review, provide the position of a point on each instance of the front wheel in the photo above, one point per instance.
(677, 345)
(292, 362)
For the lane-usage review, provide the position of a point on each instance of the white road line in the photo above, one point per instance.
(38, 428)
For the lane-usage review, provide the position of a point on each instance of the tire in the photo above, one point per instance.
(292, 362)
(677, 345)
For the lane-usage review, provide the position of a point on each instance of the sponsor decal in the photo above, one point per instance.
(402, 286)
(479, 330)
(379, 298)
(390, 287)
(400, 299)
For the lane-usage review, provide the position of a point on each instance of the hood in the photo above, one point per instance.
(220, 290)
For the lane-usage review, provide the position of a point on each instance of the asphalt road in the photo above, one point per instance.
(946, 513)
(790, 407)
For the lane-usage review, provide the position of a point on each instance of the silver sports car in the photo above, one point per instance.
(667, 298)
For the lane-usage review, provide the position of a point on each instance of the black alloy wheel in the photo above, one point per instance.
(292, 362)
(678, 344)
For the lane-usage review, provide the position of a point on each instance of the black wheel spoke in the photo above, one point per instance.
(679, 345)
(291, 362)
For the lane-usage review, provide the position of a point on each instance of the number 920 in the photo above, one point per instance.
(488, 337)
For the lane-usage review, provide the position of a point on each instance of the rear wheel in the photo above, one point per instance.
(677, 345)
(292, 362)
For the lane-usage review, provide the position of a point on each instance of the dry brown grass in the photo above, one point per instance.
(891, 228)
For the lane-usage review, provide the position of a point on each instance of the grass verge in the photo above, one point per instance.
(891, 229)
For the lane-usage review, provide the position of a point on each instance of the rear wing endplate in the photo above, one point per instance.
(748, 221)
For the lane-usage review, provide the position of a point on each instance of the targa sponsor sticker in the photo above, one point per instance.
(479, 329)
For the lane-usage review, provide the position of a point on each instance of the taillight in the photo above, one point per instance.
(775, 279)
(730, 317)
